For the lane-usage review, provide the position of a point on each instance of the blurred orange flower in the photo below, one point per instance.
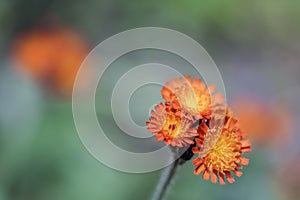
(264, 123)
(51, 55)
(220, 150)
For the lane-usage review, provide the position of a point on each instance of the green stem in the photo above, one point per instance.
(166, 180)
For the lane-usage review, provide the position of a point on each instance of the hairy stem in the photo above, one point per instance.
(166, 180)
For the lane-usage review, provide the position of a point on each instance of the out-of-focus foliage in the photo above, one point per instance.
(254, 43)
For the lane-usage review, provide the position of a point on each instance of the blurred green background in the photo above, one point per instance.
(254, 43)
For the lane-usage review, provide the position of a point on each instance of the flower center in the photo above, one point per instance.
(187, 97)
(172, 125)
(193, 99)
(222, 152)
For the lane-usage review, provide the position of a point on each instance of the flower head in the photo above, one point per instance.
(220, 148)
(167, 124)
(192, 97)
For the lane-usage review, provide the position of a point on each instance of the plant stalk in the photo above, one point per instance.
(166, 180)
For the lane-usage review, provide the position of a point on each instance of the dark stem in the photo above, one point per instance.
(166, 180)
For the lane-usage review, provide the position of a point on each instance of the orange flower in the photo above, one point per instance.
(192, 97)
(167, 124)
(220, 150)
(276, 127)
(51, 55)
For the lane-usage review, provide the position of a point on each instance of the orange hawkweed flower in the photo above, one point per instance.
(192, 97)
(50, 55)
(167, 125)
(220, 150)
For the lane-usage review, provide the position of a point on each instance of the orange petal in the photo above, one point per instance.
(196, 150)
(197, 82)
(214, 176)
(165, 92)
(199, 169)
(189, 141)
(197, 161)
(206, 174)
(212, 88)
(246, 143)
(232, 123)
(239, 166)
(187, 79)
(237, 172)
(198, 141)
(160, 138)
(246, 149)
(244, 161)
(222, 180)
(202, 128)
(230, 179)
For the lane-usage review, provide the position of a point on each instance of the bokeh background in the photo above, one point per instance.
(254, 43)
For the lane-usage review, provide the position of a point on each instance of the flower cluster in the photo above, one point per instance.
(194, 116)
